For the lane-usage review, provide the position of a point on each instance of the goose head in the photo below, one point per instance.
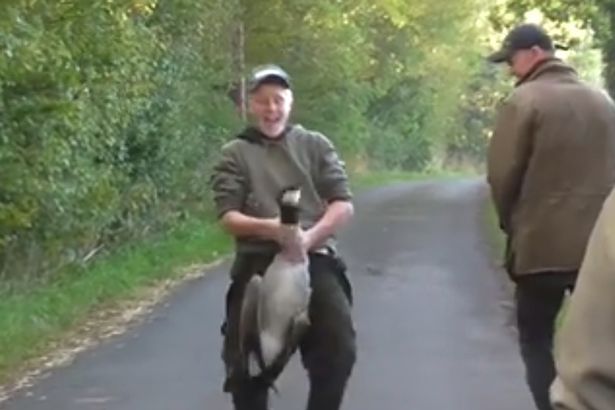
(289, 206)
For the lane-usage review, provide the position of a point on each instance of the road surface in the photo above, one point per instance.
(432, 315)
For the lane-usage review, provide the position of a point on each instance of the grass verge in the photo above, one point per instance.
(33, 320)
(496, 237)
(361, 181)
(37, 318)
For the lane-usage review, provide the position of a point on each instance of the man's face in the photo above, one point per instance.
(271, 104)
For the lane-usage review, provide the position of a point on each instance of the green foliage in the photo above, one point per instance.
(33, 320)
(382, 79)
(102, 122)
(112, 113)
(581, 25)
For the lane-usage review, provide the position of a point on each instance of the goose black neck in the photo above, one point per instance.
(289, 214)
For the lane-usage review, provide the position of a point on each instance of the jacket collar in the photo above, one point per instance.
(548, 66)
(255, 136)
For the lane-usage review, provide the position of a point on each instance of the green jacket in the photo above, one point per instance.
(551, 164)
(253, 170)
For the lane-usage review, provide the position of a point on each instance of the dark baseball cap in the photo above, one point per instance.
(523, 37)
(268, 74)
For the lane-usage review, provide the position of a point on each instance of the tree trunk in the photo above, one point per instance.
(609, 67)
(239, 68)
(608, 47)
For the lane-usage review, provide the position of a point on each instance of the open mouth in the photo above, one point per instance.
(270, 121)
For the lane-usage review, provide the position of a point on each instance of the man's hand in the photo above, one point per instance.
(293, 240)
(295, 243)
(338, 213)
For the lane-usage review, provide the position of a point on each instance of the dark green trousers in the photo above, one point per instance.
(328, 348)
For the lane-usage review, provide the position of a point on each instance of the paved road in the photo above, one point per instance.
(431, 316)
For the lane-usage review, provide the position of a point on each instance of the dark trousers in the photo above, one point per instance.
(327, 349)
(539, 298)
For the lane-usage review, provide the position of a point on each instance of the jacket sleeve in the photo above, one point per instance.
(508, 155)
(228, 182)
(584, 357)
(331, 181)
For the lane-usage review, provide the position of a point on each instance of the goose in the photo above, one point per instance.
(274, 312)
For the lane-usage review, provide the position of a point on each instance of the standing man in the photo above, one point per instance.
(585, 358)
(263, 160)
(551, 164)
